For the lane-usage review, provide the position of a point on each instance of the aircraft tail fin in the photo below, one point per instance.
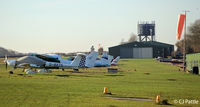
(90, 59)
(77, 60)
(114, 62)
(110, 58)
(82, 62)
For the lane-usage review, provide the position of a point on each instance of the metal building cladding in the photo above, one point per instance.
(149, 49)
(193, 61)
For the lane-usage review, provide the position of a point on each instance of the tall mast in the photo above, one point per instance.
(184, 55)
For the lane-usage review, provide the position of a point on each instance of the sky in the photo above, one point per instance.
(48, 26)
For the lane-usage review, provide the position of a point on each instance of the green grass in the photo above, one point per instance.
(143, 78)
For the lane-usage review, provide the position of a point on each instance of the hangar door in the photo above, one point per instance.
(142, 52)
(126, 52)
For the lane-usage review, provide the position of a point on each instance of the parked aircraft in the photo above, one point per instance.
(106, 60)
(114, 62)
(92, 60)
(43, 62)
(88, 61)
(103, 61)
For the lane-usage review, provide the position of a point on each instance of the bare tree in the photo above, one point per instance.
(122, 41)
(100, 50)
(194, 36)
(192, 39)
(133, 37)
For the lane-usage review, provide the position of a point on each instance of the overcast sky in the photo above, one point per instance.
(46, 26)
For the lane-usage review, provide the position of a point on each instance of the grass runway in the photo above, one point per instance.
(138, 78)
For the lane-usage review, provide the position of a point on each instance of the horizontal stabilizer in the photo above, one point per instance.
(114, 62)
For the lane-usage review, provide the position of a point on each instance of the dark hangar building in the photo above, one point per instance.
(147, 47)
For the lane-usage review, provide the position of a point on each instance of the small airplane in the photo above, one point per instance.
(88, 62)
(92, 60)
(114, 62)
(43, 62)
(106, 60)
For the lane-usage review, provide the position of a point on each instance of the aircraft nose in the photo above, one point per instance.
(11, 63)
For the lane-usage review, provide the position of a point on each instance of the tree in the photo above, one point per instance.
(132, 38)
(100, 50)
(194, 36)
(92, 48)
(192, 39)
(122, 41)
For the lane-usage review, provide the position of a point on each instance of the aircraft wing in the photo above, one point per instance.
(27, 65)
(46, 57)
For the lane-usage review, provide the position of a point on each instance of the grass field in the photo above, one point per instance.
(141, 78)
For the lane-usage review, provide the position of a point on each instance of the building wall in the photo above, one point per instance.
(126, 52)
(143, 52)
(193, 60)
(132, 50)
(114, 51)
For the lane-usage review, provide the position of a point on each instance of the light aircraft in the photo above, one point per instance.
(43, 62)
(88, 62)
(114, 62)
(92, 60)
(106, 60)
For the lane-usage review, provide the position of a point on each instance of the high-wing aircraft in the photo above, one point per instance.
(43, 62)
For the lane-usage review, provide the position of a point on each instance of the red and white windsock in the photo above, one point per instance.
(99, 45)
(181, 21)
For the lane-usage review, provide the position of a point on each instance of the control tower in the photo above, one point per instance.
(146, 31)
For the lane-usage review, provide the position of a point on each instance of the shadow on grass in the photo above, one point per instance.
(73, 76)
(75, 71)
(62, 75)
(171, 79)
(112, 106)
(113, 75)
(21, 74)
(132, 98)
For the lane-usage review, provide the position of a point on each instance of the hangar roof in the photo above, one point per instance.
(143, 44)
